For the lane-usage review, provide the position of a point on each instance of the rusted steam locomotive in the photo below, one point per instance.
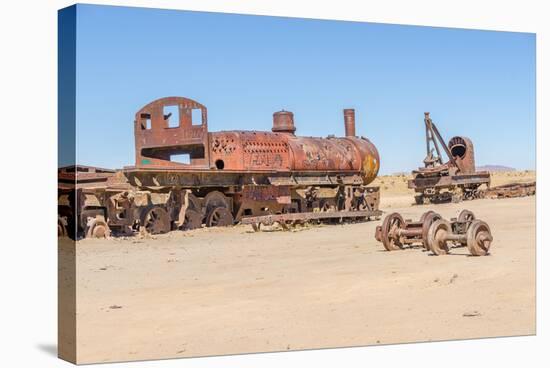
(185, 176)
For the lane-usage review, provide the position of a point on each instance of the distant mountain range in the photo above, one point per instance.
(494, 168)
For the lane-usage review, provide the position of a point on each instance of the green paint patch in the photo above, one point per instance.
(145, 161)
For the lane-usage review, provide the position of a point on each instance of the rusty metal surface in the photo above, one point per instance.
(157, 137)
(449, 181)
(157, 140)
(349, 122)
(511, 190)
(283, 122)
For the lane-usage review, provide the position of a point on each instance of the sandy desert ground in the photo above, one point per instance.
(230, 290)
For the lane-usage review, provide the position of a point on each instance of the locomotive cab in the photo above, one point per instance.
(171, 132)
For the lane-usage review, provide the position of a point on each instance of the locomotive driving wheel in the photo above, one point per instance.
(437, 237)
(219, 216)
(97, 227)
(155, 220)
(479, 238)
(391, 224)
(427, 220)
(213, 200)
(194, 203)
(193, 220)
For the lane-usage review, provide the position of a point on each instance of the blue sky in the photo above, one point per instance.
(243, 68)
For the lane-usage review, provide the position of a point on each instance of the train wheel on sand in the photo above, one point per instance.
(479, 238)
(97, 227)
(155, 220)
(219, 216)
(391, 224)
(193, 220)
(437, 235)
(427, 220)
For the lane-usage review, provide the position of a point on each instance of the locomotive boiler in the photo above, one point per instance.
(185, 176)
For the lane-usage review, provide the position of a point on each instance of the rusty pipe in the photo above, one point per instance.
(349, 122)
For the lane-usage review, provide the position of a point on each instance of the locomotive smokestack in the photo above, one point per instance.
(349, 122)
(283, 122)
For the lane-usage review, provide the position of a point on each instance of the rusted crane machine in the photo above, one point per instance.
(454, 180)
(185, 176)
(436, 234)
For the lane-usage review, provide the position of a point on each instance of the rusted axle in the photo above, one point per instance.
(395, 232)
(475, 234)
(409, 236)
(436, 234)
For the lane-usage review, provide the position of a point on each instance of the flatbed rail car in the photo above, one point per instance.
(185, 176)
(512, 190)
(72, 193)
